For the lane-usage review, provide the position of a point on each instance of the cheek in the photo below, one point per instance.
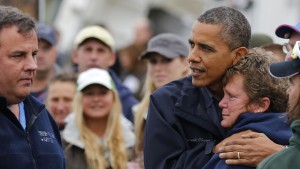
(151, 71)
(109, 101)
(85, 102)
(50, 103)
(217, 65)
(68, 105)
(236, 107)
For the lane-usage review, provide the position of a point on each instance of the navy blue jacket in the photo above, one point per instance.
(126, 97)
(182, 128)
(274, 125)
(36, 147)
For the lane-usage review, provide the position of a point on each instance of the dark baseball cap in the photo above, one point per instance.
(285, 31)
(287, 68)
(168, 45)
(46, 33)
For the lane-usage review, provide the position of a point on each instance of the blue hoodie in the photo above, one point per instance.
(183, 126)
(274, 125)
(36, 147)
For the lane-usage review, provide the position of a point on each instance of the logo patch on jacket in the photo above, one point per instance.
(47, 137)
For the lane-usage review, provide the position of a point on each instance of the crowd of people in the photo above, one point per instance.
(215, 100)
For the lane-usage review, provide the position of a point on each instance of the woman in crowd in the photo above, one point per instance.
(253, 103)
(95, 137)
(166, 60)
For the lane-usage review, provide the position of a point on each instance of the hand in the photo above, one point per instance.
(252, 147)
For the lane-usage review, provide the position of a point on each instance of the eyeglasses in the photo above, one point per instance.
(287, 47)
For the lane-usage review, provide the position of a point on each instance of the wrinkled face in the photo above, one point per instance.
(59, 100)
(18, 63)
(46, 56)
(209, 56)
(93, 54)
(235, 101)
(164, 70)
(97, 102)
(293, 91)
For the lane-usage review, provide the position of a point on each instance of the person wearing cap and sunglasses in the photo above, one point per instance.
(95, 138)
(248, 107)
(290, 32)
(289, 157)
(94, 47)
(166, 57)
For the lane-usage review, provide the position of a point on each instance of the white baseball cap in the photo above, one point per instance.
(94, 76)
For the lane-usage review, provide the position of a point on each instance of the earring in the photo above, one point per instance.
(259, 111)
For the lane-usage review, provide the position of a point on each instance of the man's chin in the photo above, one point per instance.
(198, 82)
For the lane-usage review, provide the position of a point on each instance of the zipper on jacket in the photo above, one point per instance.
(28, 141)
(28, 127)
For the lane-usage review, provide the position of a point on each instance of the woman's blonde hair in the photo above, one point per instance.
(142, 108)
(113, 140)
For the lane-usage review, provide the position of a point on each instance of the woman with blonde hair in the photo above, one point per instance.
(95, 137)
(166, 61)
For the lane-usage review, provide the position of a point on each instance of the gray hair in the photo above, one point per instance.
(252, 68)
(236, 30)
(11, 16)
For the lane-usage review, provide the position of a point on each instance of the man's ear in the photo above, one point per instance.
(75, 56)
(239, 53)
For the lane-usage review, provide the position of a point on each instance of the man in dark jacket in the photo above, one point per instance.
(29, 136)
(94, 48)
(183, 123)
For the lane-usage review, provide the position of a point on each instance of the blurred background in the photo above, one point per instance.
(128, 20)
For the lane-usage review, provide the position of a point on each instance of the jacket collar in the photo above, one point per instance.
(71, 132)
(198, 106)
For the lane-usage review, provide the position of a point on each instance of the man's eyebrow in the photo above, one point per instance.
(18, 52)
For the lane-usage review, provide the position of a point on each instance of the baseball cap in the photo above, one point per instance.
(260, 39)
(168, 45)
(46, 33)
(287, 68)
(96, 32)
(285, 31)
(94, 76)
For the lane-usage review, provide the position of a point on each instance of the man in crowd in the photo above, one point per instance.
(29, 135)
(46, 61)
(94, 48)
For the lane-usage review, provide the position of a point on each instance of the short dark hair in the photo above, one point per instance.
(64, 77)
(236, 30)
(253, 67)
(11, 16)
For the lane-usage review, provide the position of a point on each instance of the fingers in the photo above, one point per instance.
(236, 161)
(231, 155)
(253, 135)
(237, 158)
(236, 142)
